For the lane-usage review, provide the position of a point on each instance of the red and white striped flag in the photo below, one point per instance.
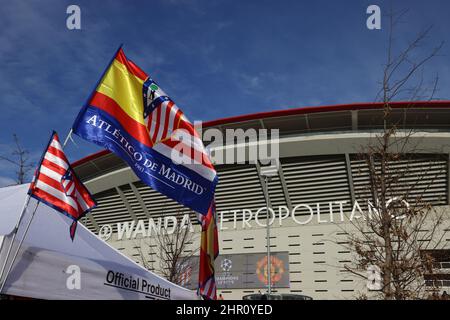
(56, 184)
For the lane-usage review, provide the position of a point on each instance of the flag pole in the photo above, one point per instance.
(18, 248)
(24, 208)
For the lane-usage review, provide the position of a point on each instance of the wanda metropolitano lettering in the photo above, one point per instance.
(247, 218)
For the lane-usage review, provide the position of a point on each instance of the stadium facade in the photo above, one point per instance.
(319, 180)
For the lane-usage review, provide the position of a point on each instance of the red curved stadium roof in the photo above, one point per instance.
(298, 111)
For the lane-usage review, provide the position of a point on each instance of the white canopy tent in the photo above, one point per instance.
(50, 266)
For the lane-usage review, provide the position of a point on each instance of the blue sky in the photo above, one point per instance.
(214, 58)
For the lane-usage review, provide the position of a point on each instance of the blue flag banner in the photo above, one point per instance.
(130, 115)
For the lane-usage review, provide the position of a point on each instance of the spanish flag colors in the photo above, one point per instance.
(209, 250)
(130, 115)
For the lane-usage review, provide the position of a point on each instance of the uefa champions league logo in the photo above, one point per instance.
(226, 265)
(226, 278)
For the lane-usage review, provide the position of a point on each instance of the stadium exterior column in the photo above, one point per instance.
(348, 166)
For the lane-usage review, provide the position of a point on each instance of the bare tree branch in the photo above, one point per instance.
(20, 159)
(396, 237)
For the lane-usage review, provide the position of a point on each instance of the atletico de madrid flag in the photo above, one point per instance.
(56, 185)
(129, 114)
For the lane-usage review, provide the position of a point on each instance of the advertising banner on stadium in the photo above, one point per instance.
(244, 271)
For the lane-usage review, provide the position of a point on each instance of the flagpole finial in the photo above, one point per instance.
(69, 136)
